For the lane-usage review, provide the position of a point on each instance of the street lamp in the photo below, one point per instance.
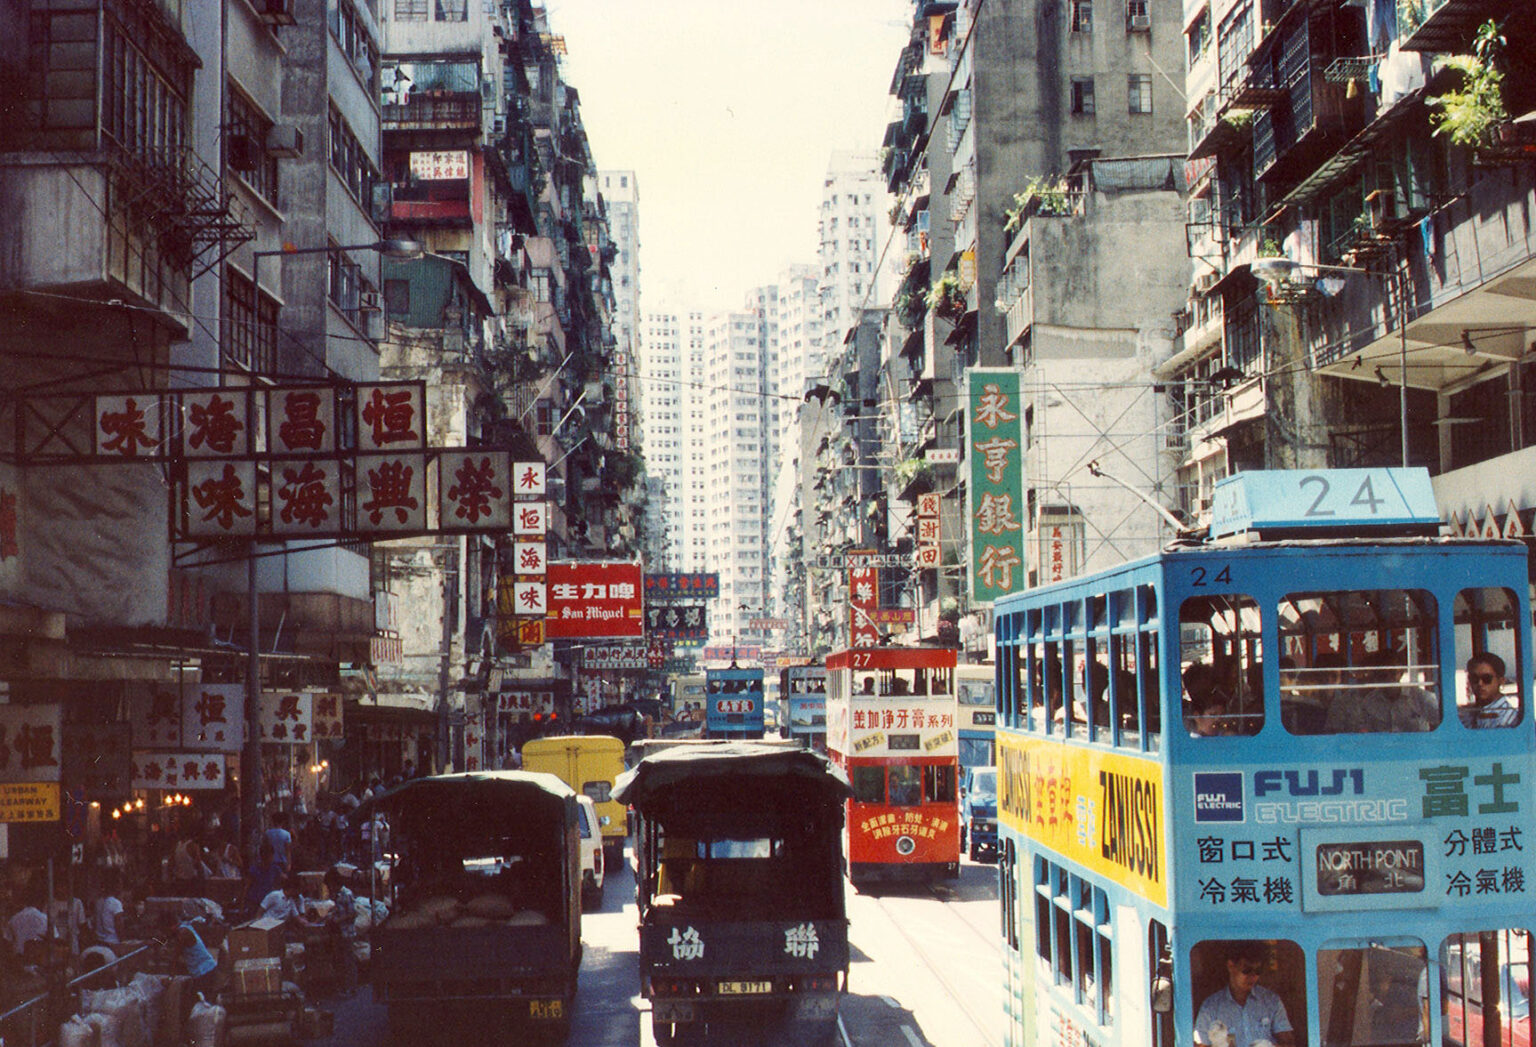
(1278, 269)
(252, 787)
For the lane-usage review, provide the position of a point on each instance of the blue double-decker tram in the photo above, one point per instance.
(733, 703)
(1275, 785)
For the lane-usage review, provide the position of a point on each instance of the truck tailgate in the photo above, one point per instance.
(467, 961)
(681, 946)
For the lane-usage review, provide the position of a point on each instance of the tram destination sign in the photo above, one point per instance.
(1370, 867)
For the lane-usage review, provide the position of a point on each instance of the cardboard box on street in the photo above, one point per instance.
(256, 940)
(252, 977)
(312, 884)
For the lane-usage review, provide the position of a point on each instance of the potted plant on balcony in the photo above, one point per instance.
(1473, 114)
(1043, 194)
(946, 297)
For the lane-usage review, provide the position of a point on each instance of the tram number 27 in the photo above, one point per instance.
(1365, 497)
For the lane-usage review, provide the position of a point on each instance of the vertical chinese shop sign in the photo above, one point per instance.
(994, 434)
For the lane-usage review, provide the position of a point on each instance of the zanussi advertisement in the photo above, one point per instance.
(1102, 810)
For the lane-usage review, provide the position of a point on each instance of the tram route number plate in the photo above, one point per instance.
(745, 988)
(546, 1009)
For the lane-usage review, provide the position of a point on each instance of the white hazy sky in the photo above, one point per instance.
(728, 111)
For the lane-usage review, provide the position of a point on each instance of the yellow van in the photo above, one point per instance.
(588, 763)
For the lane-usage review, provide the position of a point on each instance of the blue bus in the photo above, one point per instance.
(803, 705)
(1273, 785)
(733, 703)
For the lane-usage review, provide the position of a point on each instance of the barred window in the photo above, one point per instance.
(144, 107)
(1139, 86)
(250, 325)
(349, 290)
(349, 161)
(353, 39)
(410, 10)
(1082, 94)
(452, 10)
(246, 144)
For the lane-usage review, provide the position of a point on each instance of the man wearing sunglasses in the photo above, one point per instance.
(1490, 706)
(1244, 1013)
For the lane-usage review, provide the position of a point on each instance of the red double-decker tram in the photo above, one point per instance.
(891, 727)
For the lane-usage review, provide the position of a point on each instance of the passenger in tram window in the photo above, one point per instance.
(1399, 999)
(869, 685)
(1206, 702)
(1306, 705)
(1098, 689)
(1390, 705)
(1244, 1013)
(1489, 706)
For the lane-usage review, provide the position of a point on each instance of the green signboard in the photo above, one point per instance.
(995, 507)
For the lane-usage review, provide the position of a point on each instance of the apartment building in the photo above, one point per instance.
(1358, 265)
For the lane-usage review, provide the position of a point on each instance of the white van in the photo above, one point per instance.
(591, 854)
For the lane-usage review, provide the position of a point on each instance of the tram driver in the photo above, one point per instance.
(1489, 706)
(1244, 1013)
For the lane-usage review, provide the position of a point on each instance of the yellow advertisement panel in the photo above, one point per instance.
(1101, 810)
(29, 801)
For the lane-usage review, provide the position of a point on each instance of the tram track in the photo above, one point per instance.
(955, 989)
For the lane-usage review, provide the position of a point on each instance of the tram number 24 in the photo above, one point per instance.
(1199, 577)
(1364, 497)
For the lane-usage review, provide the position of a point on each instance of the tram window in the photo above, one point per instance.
(1096, 690)
(1051, 691)
(1073, 711)
(938, 784)
(1260, 980)
(1360, 662)
(868, 784)
(1373, 993)
(1123, 706)
(1008, 877)
(1222, 670)
(975, 692)
(1489, 676)
(1160, 964)
(904, 786)
(1485, 988)
(1042, 918)
(1151, 690)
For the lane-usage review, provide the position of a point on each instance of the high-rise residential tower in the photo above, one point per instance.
(669, 369)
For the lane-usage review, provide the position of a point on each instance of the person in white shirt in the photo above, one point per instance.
(286, 903)
(26, 925)
(107, 917)
(67, 914)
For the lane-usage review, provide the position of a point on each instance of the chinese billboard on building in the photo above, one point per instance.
(996, 490)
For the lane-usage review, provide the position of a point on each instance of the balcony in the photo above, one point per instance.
(1445, 25)
(434, 110)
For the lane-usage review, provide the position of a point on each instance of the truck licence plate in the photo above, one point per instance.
(546, 1009)
(745, 988)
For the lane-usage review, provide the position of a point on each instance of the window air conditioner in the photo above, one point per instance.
(1138, 23)
(276, 12)
(285, 141)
